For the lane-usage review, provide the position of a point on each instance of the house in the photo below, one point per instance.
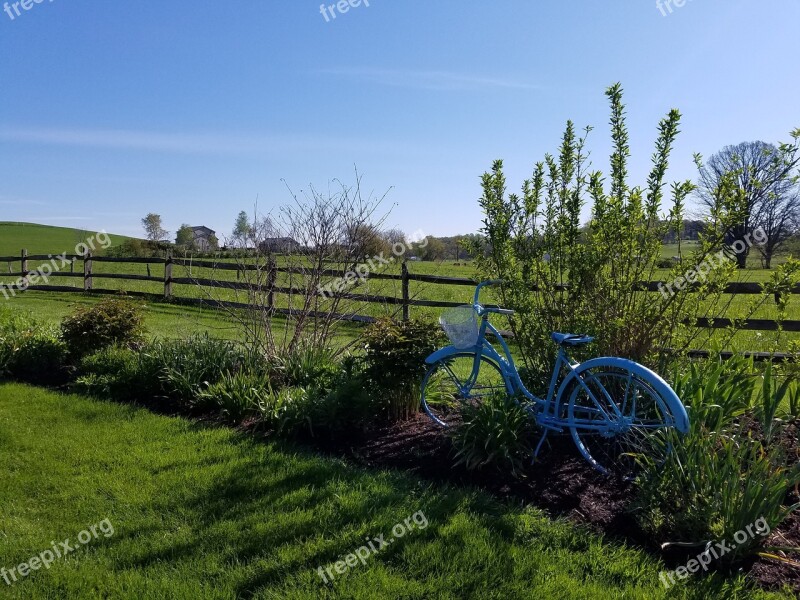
(204, 238)
(285, 245)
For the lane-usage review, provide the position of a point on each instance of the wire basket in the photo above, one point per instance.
(461, 326)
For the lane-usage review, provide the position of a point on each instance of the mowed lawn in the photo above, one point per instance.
(205, 512)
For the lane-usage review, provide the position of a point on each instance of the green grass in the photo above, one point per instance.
(43, 239)
(202, 512)
(161, 319)
(173, 321)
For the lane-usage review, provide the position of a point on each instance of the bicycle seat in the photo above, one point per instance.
(571, 339)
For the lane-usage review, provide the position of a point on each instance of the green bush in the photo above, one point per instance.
(774, 402)
(713, 485)
(563, 274)
(716, 393)
(188, 367)
(119, 373)
(724, 475)
(238, 396)
(341, 406)
(111, 321)
(395, 354)
(306, 365)
(496, 433)
(39, 356)
(29, 351)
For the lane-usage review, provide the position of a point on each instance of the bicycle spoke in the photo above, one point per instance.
(617, 421)
(451, 385)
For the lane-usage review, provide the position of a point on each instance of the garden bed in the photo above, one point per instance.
(560, 482)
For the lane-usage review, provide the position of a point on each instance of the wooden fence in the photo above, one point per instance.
(405, 302)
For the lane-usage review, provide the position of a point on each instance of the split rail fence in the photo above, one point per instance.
(405, 302)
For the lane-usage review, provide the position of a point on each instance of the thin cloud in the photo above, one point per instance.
(431, 80)
(15, 201)
(69, 218)
(193, 143)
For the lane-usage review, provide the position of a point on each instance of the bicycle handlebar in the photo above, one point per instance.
(484, 284)
(499, 311)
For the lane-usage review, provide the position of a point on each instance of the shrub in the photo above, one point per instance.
(111, 321)
(713, 485)
(289, 411)
(305, 365)
(496, 433)
(39, 356)
(774, 400)
(723, 476)
(238, 396)
(119, 373)
(345, 407)
(562, 275)
(395, 363)
(716, 393)
(29, 351)
(188, 367)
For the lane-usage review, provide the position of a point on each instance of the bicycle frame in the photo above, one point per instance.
(598, 410)
(546, 407)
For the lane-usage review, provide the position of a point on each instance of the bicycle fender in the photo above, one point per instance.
(445, 352)
(674, 403)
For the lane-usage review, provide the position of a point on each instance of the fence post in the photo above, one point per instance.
(406, 295)
(272, 276)
(87, 271)
(24, 261)
(168, 275)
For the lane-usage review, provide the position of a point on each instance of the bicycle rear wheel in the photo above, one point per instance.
(450, 385)
(619, 416)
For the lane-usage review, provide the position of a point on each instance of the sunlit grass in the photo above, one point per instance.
(203, 512)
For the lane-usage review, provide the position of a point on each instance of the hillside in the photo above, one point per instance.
(43, 239)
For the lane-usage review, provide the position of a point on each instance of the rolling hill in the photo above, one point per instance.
(43, 239)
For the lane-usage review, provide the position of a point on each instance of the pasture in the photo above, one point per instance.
(56, 240)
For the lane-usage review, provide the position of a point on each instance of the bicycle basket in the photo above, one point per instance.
(461, 326)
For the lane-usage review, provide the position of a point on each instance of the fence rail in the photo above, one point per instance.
(88, 275)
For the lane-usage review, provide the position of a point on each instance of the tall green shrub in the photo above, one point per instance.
(395, 354)
(563, 275)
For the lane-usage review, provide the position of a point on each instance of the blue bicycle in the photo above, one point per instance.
(616, 410)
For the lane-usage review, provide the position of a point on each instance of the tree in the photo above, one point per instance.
(242, 230)
(763, 176)
(395, 236)
(779, 220)
(314, 283)
(185, 237)
(364, 240)
(152, 226)
(433, 249)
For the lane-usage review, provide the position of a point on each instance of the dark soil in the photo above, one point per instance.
(560, 482)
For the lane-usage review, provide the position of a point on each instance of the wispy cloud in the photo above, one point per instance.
(431, 80)
(194, 143)
(69, 218)
(17, 201)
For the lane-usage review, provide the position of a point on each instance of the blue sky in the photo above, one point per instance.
(196, 109)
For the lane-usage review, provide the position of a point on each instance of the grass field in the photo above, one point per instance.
(172, 320)
(205, 512)
(43, 239)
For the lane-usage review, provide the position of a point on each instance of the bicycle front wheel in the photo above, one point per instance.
(619, 414)
(451, 384)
